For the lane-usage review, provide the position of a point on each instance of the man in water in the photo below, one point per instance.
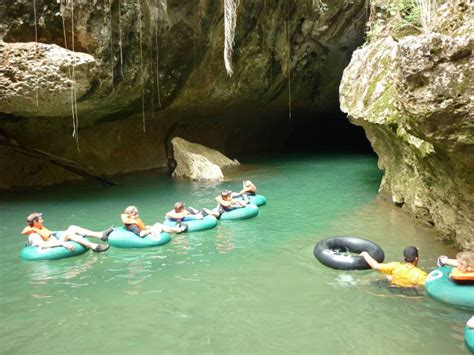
(403, 274)
(40, 236)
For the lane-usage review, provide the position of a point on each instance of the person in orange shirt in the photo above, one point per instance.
(40, 236)
(403, 274)
(134, 224)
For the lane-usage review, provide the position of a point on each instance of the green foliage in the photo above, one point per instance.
(393, 17)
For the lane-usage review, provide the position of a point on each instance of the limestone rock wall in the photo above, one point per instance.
(145, 70)
(414, 99)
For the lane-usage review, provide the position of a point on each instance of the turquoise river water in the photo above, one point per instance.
(246, 287)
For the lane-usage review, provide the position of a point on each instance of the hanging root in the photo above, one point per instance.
(289, 60)
(194, 34)
(36, 51)
(71, 72)
(120, 36)
(75, 119)
(142, 84)
(230, 21)
(157, 66)
(111, 44)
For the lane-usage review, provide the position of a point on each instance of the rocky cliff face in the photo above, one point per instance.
(128, 75)
(414, 98)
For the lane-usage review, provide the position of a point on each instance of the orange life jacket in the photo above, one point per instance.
(126, 219)
(44, 232)
(458, 275)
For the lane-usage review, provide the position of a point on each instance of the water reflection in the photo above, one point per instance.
(225, 241)
(40, 273)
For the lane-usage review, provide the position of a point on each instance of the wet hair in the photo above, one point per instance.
(467, 258)
(178, 206)
(410, 254)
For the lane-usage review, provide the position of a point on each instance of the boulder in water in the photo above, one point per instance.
(197, 162)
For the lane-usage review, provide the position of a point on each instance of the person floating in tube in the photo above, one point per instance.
(248, 189)
(182, 214)
(40, 236)
(134, 224)
(403, 274)
(225, 204)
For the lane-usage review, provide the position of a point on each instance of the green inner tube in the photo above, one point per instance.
(196, 225)
(258, 200)
(469, 338)
(440, 287)
(122, 238)
(246, 212)
(36, 253)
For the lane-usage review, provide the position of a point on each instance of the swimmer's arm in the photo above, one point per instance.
(374, 264)
(223, 202)
(450, 262)
(171, 215)
(52, 243)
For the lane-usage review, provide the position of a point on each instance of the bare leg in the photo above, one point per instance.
(211, 212)
(80, 240)
(86, 232)
(84, 242)
(83, 231)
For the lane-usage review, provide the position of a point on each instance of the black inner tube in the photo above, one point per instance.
(333, 252)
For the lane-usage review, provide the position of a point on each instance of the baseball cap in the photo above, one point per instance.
(33, 216)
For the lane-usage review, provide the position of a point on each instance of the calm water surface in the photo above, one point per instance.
(245, 287)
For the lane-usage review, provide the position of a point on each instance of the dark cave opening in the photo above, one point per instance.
(326, 132)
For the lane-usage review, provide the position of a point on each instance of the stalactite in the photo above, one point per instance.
(230, 21)
(140, 33)
(157, 66)
(36, 52)
(120, 36)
